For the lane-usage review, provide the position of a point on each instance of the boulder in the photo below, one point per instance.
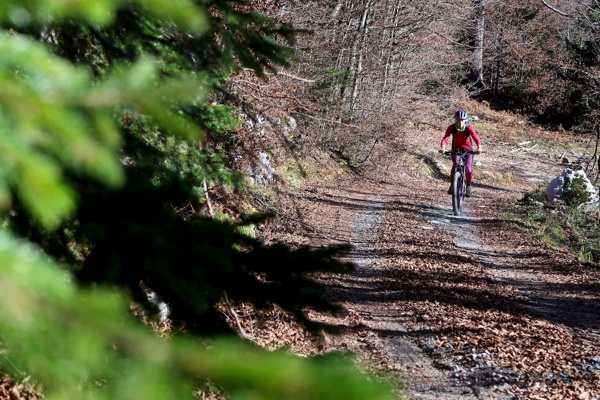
(262, 171)
(573, 188)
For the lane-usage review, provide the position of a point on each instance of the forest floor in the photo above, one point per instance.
(439, 306)
(467, 307)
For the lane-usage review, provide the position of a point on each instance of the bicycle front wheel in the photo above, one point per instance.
(457, 192)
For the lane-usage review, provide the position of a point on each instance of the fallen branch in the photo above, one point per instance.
(532, 147)
(237, 320)
(208, 204)
(554, 9)
(296, 77)
(285, 74)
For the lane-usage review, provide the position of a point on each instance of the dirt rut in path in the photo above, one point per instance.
(390, 335)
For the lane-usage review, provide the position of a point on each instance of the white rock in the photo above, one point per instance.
(557, 191)
(163, 310)
(262, 171)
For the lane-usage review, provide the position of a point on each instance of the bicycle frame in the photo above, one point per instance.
(459, 183)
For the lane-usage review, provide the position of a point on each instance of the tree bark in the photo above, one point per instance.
(477, 73)
(357, 54)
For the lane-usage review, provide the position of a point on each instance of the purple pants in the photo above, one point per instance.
(468, 167)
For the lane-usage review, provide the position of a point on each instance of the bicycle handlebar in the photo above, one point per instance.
(460, 152)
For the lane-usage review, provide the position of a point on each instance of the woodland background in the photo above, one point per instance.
(131, 134)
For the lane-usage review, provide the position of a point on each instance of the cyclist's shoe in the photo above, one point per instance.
(468, 194)
(450, 190)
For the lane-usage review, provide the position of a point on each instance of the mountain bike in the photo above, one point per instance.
(459, 183)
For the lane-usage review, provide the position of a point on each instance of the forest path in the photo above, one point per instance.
(463, 307)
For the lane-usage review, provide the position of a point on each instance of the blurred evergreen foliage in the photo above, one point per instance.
(106, 129)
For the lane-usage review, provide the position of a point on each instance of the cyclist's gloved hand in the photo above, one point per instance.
(479, 150)
(442, 150)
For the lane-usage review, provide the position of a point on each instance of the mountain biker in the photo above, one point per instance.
(463, 134)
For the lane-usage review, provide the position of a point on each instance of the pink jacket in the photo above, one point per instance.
(461, 140)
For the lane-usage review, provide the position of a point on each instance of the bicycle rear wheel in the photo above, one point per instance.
(457, 192)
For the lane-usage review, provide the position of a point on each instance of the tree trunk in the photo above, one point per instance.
(358, 46)
(477, 73)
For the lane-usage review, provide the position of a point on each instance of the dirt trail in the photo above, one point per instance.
(464, 307)
(426, 381)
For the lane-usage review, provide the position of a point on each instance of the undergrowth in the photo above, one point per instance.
(561, 225)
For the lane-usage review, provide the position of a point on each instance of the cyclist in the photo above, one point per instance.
(463, 134)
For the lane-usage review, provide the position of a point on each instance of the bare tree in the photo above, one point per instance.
(369, 61)
(477, 73)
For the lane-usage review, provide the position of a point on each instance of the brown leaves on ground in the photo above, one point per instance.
(502, 313)
(490, 308)
(10, 390)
